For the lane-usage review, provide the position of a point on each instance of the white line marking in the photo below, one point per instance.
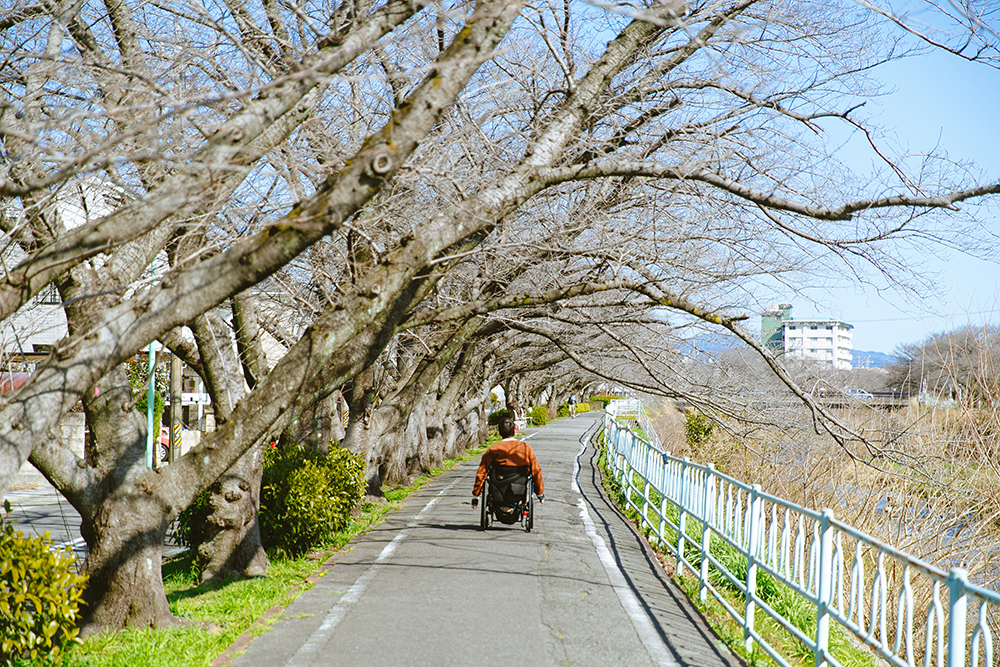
(322, 634)
(650, 638)
(78, 542)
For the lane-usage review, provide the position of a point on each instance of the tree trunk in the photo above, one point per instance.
(317, 426)
(514, 398)
(247, 333)
(362, 438)
(125, 587)
(123, 518)
(421, 453)
(233, 547)
(558, 398)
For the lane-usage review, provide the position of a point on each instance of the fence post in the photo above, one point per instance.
(824, 587)
(647, 451)
(957, 609)
(626, 480)
(753, 549)
(614, 446)
(682, 515)
(664, 497)
(708, 518)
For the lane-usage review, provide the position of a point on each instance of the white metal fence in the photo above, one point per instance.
(734, 537)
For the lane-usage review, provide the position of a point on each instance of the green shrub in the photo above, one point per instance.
(582, 407)
(539, 415)
(496, 416)
(603, 400)
(138, 377)
(306, 497)
(697, 428)
(39, 595)
(159, 405)
(563, 410)
(191, 522)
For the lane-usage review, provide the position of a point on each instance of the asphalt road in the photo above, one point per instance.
(37, 511)
(427, 587)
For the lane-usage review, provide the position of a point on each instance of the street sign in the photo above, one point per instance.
(194, 398)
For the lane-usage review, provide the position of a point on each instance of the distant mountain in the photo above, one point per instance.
(865, 359)
(707, 346)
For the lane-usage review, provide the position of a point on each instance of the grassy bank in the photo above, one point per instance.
(218, 613)
(799, 611)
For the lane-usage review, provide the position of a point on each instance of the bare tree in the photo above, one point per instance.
(124, 507)
(406, 196)
(958, 365)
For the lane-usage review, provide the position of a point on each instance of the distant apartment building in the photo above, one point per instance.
(825, 341)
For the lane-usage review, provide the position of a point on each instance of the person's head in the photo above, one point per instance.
(506, 427)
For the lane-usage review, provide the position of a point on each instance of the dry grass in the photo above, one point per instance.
(934, 493)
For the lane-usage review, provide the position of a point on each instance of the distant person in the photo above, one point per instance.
(572, 406)
(508, 452)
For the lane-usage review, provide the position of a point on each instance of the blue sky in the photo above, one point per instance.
(940, 101)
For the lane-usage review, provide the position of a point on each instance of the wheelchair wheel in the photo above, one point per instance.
(529, 520)
(484, 514)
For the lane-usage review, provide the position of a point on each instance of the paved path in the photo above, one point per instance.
(428, 588)
(37, 511)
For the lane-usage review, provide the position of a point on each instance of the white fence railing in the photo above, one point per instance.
(863, 591)
(625, 408)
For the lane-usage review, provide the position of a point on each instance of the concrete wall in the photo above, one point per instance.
(72, 431)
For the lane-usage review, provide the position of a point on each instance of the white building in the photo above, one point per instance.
(38, 325)
(826, 341)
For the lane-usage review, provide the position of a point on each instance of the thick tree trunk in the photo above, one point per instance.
(125, 586)
(317, 426)
(514, 398)
(393, 449)
(233, 547)
(363, 438)
(421, 453)
(553, 402)
(123, 518)
(338, 412)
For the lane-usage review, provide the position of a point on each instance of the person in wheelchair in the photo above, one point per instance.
(508, 454)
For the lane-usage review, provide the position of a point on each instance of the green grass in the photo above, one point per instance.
(217, 613)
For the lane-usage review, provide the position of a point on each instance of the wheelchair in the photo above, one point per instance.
(507, 497)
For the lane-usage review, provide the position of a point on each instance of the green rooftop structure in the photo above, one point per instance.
(772, 330)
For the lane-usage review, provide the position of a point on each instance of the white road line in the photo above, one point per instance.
(318, 639)
(650, 638)
(75, 544)
(22, 494)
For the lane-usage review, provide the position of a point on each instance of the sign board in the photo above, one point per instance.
(194, 398)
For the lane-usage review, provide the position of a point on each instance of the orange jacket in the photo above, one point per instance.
(509, 452)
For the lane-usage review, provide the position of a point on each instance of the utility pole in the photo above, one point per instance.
(175, 408)
(152, 439)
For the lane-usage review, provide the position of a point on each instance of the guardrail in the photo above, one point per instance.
(630, 406)
(863, 591)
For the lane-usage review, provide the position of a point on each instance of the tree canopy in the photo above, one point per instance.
(414, 202)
